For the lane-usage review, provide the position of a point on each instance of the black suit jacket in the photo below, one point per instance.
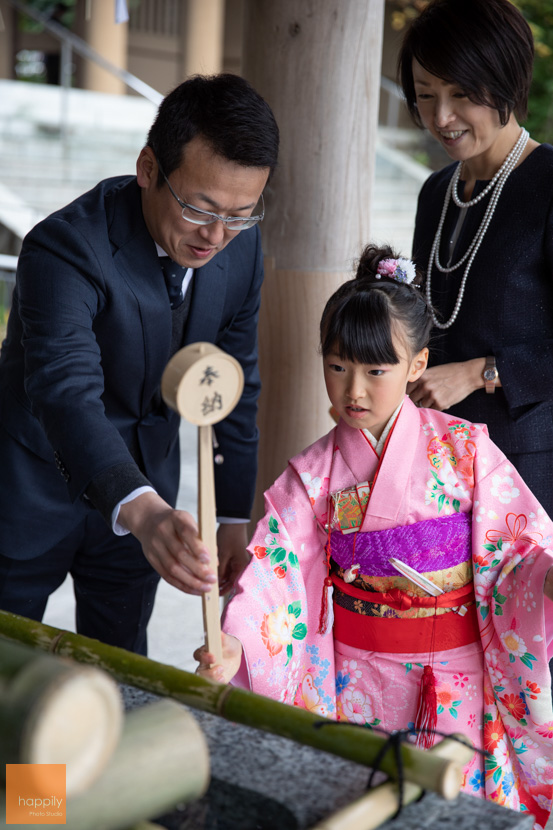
(89, 336)
(507, 309)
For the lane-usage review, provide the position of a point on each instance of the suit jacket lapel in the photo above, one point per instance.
(136, 260)
(208, 300)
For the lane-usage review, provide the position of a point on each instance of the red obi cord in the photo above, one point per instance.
(420, 635)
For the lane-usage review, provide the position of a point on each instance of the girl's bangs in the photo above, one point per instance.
(360, 334)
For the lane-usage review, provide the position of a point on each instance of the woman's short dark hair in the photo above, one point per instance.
(361, 318)
(223, 109)
(485, 47)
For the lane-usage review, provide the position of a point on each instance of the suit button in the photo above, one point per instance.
(218, 458)
(61, 466)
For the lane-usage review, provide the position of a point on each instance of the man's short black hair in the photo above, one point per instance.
(485, 47)
(226, 111)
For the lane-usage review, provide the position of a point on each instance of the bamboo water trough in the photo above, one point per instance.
(380, 804)
(42, 701)
(162, 760)
(427, 770)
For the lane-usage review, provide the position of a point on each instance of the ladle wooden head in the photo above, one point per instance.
(202, 383)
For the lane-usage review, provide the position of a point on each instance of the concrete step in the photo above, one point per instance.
(49, 108)
(64, 172)
(43, 167)
(401, 220)
(397, 183)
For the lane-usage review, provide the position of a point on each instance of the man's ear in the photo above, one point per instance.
(146, 168)
(418, 365)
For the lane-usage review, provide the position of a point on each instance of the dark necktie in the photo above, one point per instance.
(174, 276)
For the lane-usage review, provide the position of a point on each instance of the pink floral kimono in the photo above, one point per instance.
(443, 500)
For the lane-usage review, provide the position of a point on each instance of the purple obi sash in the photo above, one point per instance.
(431, 545)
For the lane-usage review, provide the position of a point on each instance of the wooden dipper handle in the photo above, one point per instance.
(206, 516)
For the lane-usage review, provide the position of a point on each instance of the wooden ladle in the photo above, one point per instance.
(204, 384)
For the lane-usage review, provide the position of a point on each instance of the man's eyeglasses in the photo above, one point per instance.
(205, 217)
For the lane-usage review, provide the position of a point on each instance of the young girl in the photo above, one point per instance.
(397, 579)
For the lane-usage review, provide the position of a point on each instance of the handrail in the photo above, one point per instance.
(391, 87)
(8, 267)
(395, 99)
(82, 48)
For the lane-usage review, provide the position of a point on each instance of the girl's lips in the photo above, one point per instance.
(356, 412)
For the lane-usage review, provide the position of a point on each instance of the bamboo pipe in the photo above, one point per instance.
(42, 704)
(162, 760)
(381, 803)
(347, 741)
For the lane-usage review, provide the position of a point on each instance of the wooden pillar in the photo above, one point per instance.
(7, 35)
(109, 39)
(203, 37)
(317, 63)
(233, 36)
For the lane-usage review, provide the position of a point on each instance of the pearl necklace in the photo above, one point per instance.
(496, 184)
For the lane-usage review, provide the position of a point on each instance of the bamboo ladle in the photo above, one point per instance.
(204, 384)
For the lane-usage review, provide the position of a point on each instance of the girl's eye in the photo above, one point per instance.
(423, 96)
(335, 367)
(376, 372)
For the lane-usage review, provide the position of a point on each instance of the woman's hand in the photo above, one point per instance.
(232, 657)
(443, 386)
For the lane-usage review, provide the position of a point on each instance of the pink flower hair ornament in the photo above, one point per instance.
(401, 270)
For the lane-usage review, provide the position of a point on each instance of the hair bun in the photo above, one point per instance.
(400, 270)
(377, 262)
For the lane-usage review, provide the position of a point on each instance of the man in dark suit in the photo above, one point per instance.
(107, 289)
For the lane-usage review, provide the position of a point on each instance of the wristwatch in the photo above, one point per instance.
(490, 375)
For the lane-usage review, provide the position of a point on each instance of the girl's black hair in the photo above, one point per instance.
(361, 318)
(486, 47)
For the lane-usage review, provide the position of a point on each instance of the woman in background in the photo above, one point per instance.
(484, 229)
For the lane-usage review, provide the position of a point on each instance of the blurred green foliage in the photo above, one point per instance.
(62, 11)
(539, 14)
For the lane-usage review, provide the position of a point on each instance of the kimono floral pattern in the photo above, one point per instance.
(354, 704)
(280, 559)
(513, 692)
(433, 466)
(451, 467)
(280, 627)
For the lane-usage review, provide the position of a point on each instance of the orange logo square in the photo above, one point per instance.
(35, 794)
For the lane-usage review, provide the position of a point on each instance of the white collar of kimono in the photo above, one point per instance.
(378, 446)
